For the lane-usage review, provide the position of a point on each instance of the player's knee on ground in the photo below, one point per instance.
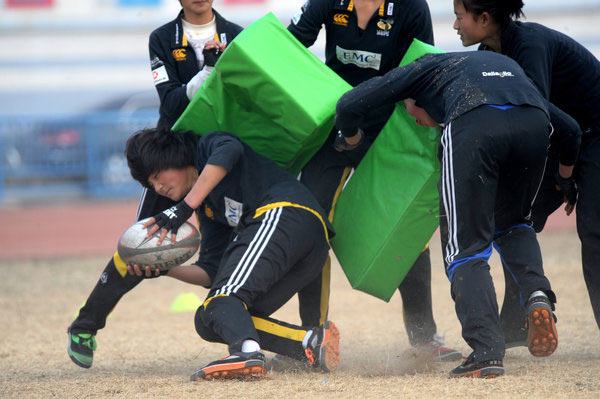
(205, 332)
(225, 319)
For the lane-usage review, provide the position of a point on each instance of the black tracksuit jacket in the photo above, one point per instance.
(174, 63)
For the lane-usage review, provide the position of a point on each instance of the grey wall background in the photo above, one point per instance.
(80, 53)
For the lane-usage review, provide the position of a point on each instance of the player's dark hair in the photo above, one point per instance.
(153, 150)
(501, 10)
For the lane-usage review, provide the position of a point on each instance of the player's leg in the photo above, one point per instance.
(520, 250)
(417, 310)
(314, 346)
(468, 183)
(514, 238)
(416, 303)
(513, 318)
(324, 175)
(588, 215)
(261, 270)
(114, 282)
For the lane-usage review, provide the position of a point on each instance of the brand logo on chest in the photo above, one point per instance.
(179, 54)
(340, 19)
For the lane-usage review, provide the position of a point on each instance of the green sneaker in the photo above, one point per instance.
(81, 348)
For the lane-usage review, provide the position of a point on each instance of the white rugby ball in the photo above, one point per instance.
(135, 248)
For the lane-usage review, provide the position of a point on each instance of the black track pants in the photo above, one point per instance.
(587, 175)
(271, 259)
(492, 164)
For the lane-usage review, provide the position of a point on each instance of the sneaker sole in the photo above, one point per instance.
(329, 355)
(77, 361)
(243, 370)
(486, 372)
(542, 338)
(73, 356)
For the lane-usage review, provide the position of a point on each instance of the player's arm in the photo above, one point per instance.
(215, 239)
(191, 274)
(212, 51)
(171, 90)
(222, 152)
(307, 23)
(567, 138)
(356, 104)
(171, 219)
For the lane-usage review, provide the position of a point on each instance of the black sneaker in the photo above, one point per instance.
(81, 347)
(323, 351)
(542, 338)
(487, 369)
(241, 365)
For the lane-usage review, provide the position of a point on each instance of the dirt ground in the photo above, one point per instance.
(146, 351)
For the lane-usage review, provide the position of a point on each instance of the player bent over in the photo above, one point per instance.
(264, 238)
(493, 151)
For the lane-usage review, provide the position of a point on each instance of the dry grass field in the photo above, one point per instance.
(145, 351)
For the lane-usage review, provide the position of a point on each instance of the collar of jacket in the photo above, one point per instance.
(506, 37)
(387, 8)
(507, 33)
(179, 40)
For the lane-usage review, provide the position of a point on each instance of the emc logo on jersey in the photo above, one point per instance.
(340, 19)
(179, 54)
(362, 59)
(233, 211)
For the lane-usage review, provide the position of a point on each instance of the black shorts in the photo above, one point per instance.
(272, 257)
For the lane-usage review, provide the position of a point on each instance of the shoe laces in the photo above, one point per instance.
(87, 340)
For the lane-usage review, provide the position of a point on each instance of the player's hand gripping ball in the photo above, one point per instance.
(135, 248)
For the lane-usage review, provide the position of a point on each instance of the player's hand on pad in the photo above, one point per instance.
(212, 51)
(569, 189)
(342, 143)
(169, 220)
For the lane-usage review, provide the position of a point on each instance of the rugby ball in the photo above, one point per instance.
(135, 248)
